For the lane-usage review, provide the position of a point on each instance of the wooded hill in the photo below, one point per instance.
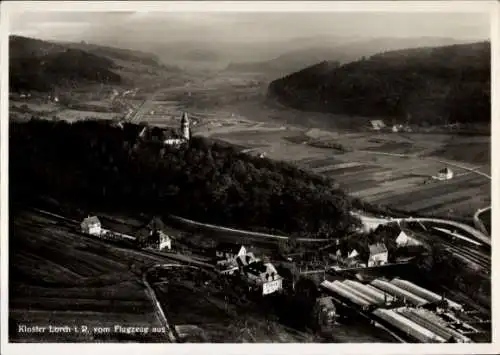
(41, 65)
(431, 85)
(93, 163)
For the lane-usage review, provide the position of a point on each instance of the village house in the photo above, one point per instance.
(245, 259)
(445, 174)
(377, 125)
(226, 252)
(159, 240)
(262, 277)
(403, 240)
(91, 225)
(378, 254)
(353, 254)
(156, 235)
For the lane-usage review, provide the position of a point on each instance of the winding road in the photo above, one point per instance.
(477, 221)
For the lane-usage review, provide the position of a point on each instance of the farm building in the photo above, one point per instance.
(378, 254)
(353, 254)
(156, 235)
(403, 239)
(262, 277)
(160, 240)
(245, 259)
(91, 225)
(377, 125)
(229, 251)
(445, 174)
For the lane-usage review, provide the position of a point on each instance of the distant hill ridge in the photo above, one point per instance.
(43, 65)
(341, 50)
(431, 84)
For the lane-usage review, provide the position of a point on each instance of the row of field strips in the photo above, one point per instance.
(438, 201)
(442, 204)
(407, 184)
(432, 189)
(458, 210)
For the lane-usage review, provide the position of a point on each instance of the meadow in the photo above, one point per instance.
(59, 277)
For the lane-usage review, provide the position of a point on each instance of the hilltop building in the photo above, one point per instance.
(185, 132)
(166, 136)
(378, 254)
(91, 225)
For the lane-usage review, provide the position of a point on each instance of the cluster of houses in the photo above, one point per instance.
(230, 259)
(378, 252)
(259, 275)
(156, 237)
(379, 125)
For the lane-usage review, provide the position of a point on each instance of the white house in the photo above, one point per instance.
(245, 259)
(262, 277)
(229, 251)
(91, 225)
(378, 254)
(353, 254)
(377, 125)
(445, 174)
(161, 241)
(404, 239)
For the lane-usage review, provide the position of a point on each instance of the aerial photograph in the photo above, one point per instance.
(249, 177)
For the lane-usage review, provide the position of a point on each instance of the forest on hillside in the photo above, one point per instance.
(434, 85)
(92, 163)
(41, 66)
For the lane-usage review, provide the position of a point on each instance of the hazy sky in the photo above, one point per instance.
(156, 26)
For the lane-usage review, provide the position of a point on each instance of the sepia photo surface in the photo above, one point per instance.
(229, 174)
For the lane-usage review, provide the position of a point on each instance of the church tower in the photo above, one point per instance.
(185, 128)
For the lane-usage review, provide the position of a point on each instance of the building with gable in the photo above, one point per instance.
(379, 254)
(91, 225)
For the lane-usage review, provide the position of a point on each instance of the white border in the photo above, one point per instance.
(244, 6)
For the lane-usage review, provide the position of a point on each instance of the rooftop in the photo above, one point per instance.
(91, 220)
(377, 248)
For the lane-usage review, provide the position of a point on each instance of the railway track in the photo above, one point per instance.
(468, 254)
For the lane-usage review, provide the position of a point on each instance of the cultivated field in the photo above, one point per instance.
(59, 277)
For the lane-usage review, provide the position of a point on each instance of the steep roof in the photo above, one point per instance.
(229, 247)
(91, 220)
(261, 271)
(377, 248)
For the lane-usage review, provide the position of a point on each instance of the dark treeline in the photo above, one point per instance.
(92, 163)
(430, 85)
